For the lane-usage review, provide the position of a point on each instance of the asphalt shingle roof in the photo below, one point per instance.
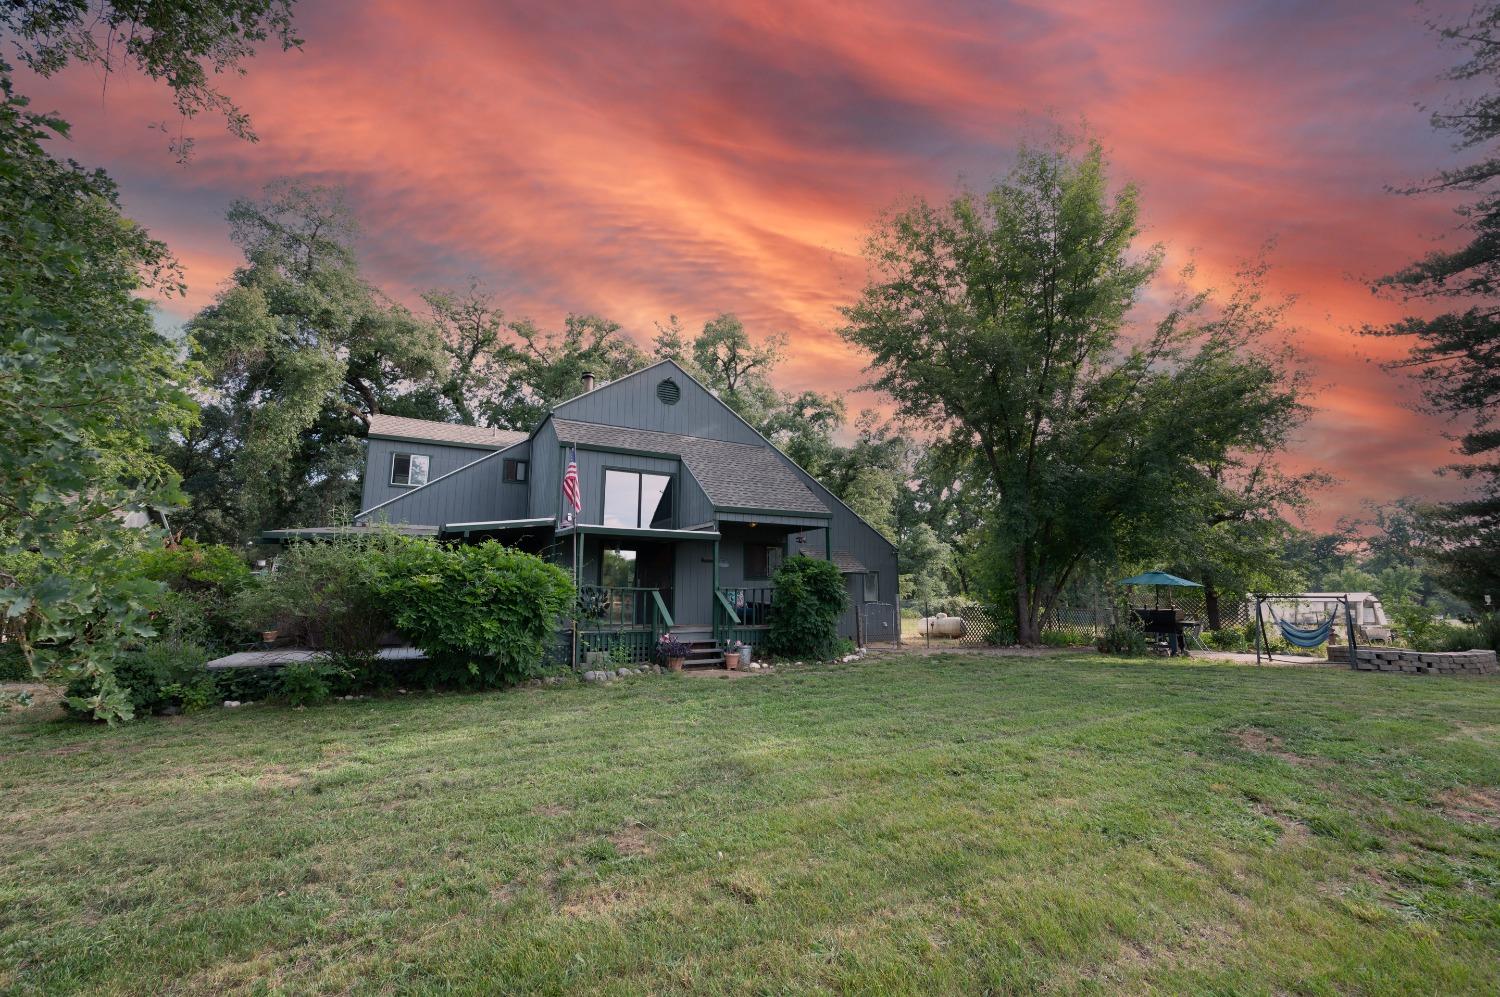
(442, 432)
(734, 475)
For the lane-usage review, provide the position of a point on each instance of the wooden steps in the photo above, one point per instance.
(703, 650)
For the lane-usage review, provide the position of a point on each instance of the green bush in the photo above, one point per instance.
(1483, 635)
(191, 566)
(308, 683)
(810, 597)
(1122, 640)
(202, 582)
(484, 614)
(323, 593)
(13, 664)
(162, 677)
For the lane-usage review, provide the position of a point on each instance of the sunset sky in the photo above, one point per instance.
(644, 159)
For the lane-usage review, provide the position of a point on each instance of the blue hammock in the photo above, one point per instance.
(1306, 638)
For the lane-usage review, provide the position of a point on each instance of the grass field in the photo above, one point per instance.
(952, 824)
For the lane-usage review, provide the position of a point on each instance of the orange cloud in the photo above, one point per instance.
(639, 159)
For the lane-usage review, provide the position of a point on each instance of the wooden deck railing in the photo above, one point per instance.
(623, 617)
(743, 613)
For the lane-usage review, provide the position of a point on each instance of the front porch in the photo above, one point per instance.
(709, 586)
(626, 622)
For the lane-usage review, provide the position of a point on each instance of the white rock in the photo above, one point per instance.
(230, 704)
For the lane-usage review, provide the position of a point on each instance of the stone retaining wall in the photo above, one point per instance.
(1400, 659)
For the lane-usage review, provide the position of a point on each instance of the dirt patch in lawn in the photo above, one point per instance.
(550, 810)
(279, 777)
(632, 839)
(1293, 831)
(1471, 805)
(1261, 743)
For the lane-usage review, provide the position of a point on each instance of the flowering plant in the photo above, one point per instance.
(670, 647)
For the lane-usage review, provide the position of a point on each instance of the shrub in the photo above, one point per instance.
(202, 581)
(324, 593)
(13, 664)
(191, 566)
(485, 614)
(1483, 635)
(160, 677)
(810, 596)
(308, 683)
(1122, 640)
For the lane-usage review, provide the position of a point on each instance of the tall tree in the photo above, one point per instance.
(1456, 352)
(542, 367)
(89, 388)
(472, 329)
(1235, 539)
(997, 321)
(300, 352)
(183, 43)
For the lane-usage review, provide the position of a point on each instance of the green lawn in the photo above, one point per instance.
(952, 824)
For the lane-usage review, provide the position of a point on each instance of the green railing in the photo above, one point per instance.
(743, 614)
(622, 621)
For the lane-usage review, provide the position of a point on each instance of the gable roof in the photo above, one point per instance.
(819, 489)
(395, 427)
(732, 475)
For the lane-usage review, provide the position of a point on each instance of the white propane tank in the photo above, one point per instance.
(941, 625)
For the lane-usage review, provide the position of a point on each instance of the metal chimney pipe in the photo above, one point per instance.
(588, 381)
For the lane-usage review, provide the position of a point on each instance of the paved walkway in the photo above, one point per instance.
(293, 655)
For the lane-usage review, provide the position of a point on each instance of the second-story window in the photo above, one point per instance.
(636, 500)
(408, 469)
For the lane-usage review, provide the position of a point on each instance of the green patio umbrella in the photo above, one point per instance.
(1159, 579)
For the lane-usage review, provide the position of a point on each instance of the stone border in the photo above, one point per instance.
(1401, 659)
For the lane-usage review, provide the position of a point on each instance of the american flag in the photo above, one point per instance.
(570, 487)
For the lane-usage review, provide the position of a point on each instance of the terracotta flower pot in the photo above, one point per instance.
(732, 661)
(675, 664)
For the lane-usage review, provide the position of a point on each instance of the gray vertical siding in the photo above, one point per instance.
(631, 401)
(442, 459)
(546, 471)
(474, 492)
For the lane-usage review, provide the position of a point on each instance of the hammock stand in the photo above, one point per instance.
(1300, 636)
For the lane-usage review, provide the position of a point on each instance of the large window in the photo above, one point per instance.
(635, 500)
(408, 469)
(761, 561)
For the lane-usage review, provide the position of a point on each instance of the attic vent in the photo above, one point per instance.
(667, 391)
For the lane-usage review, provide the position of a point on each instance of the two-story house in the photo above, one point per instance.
(685, 510)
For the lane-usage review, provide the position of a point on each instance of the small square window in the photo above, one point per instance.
(872, 586)
(408, 469)
(516, 469)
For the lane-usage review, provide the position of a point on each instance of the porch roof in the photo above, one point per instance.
(497, 525)
(359, 529)
(638, 532)
(741, 477)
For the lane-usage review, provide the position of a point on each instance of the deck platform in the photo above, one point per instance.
(295, 655)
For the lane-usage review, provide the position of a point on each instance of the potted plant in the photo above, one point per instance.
(739, 655)
(671, 651)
